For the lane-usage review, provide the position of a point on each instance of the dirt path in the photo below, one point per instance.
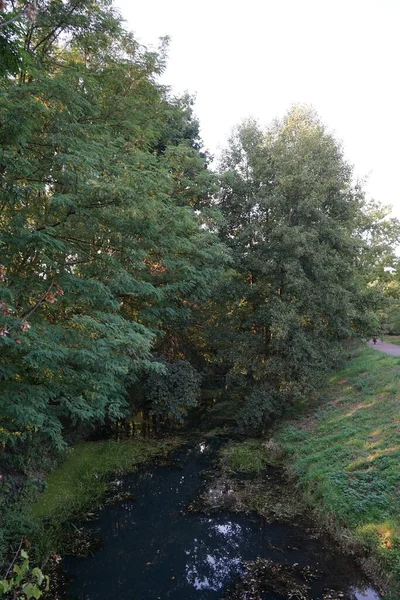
(385, 347)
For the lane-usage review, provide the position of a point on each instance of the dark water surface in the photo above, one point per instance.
(154, 549)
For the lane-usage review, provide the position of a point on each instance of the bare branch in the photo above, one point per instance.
(23, 540)
(17, 16)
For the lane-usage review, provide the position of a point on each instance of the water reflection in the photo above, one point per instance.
(367, 594)
(210, 567)
(154, 549)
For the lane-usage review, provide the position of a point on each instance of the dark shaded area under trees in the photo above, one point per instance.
(127, 264)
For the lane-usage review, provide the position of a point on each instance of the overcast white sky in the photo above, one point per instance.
(256, 58)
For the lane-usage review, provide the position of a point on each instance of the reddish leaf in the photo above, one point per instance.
(4, 308)
(50, 298)
(25, 325)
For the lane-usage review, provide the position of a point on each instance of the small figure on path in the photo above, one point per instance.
(385, 347)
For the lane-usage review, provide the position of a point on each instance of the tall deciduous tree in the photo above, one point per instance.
(292, 219)
(101, 246)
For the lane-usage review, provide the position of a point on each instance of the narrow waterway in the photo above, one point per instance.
(153, 548)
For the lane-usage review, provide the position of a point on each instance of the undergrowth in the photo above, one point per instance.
(244, 457)
(345, 451)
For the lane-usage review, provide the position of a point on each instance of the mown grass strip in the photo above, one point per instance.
(346, 452)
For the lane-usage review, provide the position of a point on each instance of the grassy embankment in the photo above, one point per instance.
(345, 452)
(81, 482)
(343, 449)
(392, 339)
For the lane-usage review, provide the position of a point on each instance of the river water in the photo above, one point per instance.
(153, 548)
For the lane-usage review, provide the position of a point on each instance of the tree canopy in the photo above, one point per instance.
(102, 248)
(134, 278)
(299, 230)
(118, 243)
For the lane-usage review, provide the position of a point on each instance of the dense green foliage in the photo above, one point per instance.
(129, 273)
(23, 582)
(391, 320)
(390, 313)
(107, 245)
(299, 230)
(173, 391)
(101, 249)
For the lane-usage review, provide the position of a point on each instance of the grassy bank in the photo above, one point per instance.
(392, 339)
(82, 480)
(79, 486)
(344, 448)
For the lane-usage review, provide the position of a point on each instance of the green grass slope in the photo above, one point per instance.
(83, 478)
(345, 451)
(79, 486)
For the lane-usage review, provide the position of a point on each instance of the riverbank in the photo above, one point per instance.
(340, 452)
(77, 488)
(83, 479)
(189, 529)
(81, 485)
(343, 448)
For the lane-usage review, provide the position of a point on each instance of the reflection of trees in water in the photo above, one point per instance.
(127, 514)
(214, 558)
(364, 594)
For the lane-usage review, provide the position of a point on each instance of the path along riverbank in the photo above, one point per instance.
(386, 347)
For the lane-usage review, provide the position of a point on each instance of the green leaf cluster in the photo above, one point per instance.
(23, 582)
(173, 391)
(103, 246)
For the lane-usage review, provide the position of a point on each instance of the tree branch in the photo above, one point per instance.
(59, 25)
(73, 212)
(69, 213)
(30, 9)
(23, 539)
(6, 23)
